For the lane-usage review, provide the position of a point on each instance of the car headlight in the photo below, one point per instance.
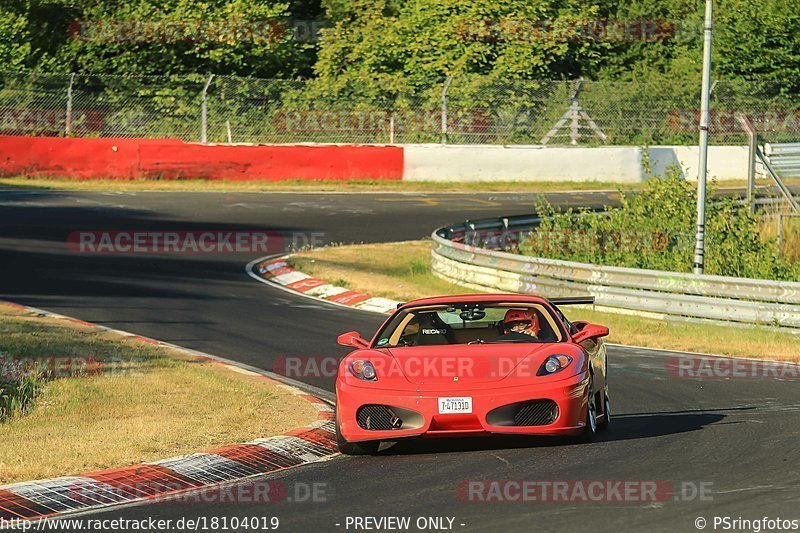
(363, 369)
(553, 364)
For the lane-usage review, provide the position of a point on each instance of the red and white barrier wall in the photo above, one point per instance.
(175, 159)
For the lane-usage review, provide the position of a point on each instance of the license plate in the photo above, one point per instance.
(449, 406)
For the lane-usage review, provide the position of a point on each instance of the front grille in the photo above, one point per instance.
(536, 413)
(377, 418)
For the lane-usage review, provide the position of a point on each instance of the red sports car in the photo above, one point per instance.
(473, 365)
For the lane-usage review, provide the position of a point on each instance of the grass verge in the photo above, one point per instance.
(103, 400)
(790, 235)
(59, 183)
(401, 271)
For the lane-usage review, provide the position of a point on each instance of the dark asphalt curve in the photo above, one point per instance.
(727, 447)
(207, 302)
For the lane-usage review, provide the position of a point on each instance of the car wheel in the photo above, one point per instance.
(606, 422)
(590, 430)
(355, 448)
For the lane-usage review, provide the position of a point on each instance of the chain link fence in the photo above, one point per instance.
(457, 110)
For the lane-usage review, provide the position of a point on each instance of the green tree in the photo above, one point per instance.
(14, 43)
(760, 40)
(372, 46)
(751, 40)
(111, 37)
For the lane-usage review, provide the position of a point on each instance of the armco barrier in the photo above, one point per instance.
(785, 159)
(667, 294)
(175, 159)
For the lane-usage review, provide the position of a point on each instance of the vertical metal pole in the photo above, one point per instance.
(700, 241)
(68, 124)
(752, 138)
(751, 171)
(204, 112)
(391, 129)
(444, 108)
(573, 129)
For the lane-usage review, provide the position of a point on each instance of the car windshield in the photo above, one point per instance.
(470, 323)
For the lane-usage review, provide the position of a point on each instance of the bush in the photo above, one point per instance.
(655, 229)
(18, 395)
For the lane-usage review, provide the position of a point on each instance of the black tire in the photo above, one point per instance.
(590, 430)
(606, 421)
(355, 448)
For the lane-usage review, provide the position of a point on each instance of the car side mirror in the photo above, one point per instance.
(590, 331)
(352, 338)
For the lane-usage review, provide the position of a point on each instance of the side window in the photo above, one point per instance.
(412, 328)
(567, 324)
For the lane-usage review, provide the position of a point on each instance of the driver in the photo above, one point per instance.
(522, 322)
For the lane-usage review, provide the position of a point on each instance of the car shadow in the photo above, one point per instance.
(624, 427)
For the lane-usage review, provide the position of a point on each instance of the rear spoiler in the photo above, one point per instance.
(568, 300)
(573, 300)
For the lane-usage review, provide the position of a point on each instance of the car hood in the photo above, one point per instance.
(462, 364)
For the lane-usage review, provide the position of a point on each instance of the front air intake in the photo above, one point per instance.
(377, 418)
(536, 413)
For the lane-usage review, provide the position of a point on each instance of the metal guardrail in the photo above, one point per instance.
(784, 158)
(784, 162)
(665, 294)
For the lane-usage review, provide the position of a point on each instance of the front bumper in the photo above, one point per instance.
(569, 394)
